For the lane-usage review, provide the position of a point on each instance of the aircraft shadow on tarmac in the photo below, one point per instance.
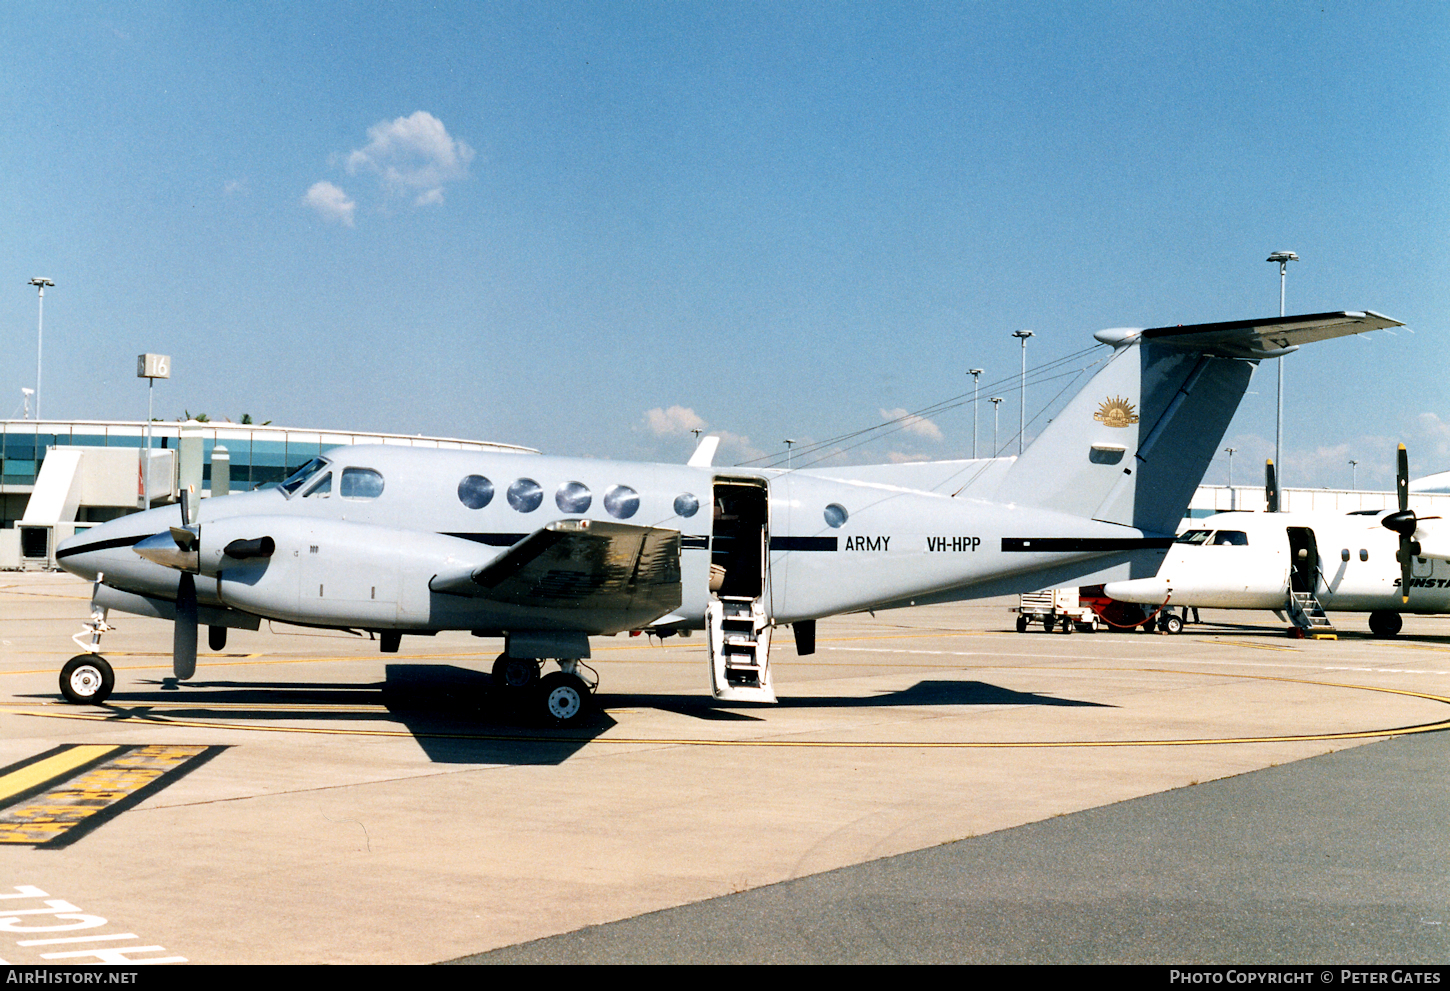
(457, 718)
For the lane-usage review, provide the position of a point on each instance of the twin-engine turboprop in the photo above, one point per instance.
(546, 552)
(1307, 564)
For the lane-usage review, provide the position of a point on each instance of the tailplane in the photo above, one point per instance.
(1133, 445)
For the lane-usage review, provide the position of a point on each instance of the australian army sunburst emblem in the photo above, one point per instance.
(1116, 412)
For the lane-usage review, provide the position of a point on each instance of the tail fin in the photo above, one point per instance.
(1132, 446)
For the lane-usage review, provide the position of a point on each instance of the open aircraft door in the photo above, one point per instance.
(737, 617)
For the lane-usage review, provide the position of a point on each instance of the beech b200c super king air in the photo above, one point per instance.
(546, 552)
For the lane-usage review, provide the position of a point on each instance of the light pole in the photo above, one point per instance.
(1022, 335)
(39, 283)
(976, 374)
(788, 444)
(1353, 470)
(996, 402)
(1232, 500)
(149, 367)
(25, 395)
(1283, 258)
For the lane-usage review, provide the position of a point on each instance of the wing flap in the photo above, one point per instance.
(580, 564)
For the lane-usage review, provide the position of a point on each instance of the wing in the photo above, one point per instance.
(581, 565)
(1268, 338)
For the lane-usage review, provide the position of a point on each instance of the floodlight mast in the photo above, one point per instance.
(996, 402)
(1022, 335)
(39, 283)
(1283, 258)
(976, 374)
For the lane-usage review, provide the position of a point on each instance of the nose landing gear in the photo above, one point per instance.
(87, 679)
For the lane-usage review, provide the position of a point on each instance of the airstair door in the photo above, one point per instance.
(737, 619)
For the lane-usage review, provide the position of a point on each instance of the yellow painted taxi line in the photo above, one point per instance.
(80, 802)
(55, 765)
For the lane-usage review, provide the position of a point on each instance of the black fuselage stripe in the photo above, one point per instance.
(1082, 545)
(102, 545)
(803, 543)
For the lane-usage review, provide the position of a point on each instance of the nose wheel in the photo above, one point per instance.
(87, 679)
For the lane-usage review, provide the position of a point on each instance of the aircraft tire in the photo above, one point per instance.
(514, 673)
(1385, 623)
(564, 699)
(87, 679)
(1171, 624)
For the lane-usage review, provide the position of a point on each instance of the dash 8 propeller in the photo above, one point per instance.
(1405, 523)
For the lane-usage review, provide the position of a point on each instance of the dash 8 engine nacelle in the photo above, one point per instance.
(330, 571)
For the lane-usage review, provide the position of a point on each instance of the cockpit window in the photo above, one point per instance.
(294, 481)
(1235, 538)
(1195, 537)
(322, 488)
(361, 483)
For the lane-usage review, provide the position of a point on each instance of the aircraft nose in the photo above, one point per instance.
(106, 548)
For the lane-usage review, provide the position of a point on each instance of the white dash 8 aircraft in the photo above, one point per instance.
(546, 552)
(1307, 564)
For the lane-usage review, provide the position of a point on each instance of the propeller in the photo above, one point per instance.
(1271, 486)
(183, 631)
(1405, 522)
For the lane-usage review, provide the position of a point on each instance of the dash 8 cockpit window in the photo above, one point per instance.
(321, 489)
(295, 481)
(1231, 538)
(1195, 537)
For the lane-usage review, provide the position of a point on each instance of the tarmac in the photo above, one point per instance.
(932, 787)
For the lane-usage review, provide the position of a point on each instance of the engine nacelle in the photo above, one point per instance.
(330, 572)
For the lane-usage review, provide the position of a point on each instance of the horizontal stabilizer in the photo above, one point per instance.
(1267, 338)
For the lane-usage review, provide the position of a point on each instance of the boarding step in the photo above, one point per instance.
(739, 638)
(1308, 616)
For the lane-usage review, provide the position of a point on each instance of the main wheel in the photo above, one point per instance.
(514, 672)
(565, 698)
(1384, 623)
(1171, 624)
(87, 679)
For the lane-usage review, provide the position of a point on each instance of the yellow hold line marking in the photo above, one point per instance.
(52, 767)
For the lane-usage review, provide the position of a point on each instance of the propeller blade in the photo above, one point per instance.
(1406, 556)
(183, 635)
(1402, 478)
(1271, 486)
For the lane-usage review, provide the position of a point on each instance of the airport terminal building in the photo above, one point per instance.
(57, 476)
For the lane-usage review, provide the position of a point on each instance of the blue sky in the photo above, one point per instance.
(586, 227)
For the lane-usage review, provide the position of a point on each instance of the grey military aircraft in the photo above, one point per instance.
(545, 552)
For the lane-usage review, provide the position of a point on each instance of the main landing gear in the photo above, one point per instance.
(561, 698)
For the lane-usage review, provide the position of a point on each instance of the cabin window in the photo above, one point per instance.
(686, 504)
(360, 483)
(836, 515)
(1363, 554)
(475, 491)
(322, 488)
(525, 495)
(1195, 537)
(621, 501)
(294, 481)
(573, 497)
(1232, 538)
(1344, 554)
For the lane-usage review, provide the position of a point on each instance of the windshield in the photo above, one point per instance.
(294, 481)
(1195, 537)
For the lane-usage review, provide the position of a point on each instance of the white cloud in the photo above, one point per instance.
(330, 202)
(912, 423)
(673, 422)
(414, 153)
